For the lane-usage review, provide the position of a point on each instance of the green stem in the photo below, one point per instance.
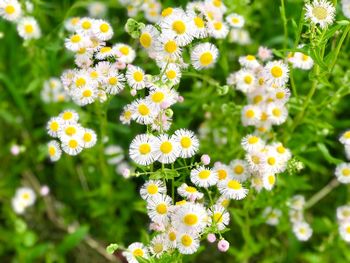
(322, 193)
(285, 28)
(203, 77)
(341, 41)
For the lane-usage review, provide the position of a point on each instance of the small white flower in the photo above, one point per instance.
(342, 172)
(302, 230)
(320, 12)
(204, 56)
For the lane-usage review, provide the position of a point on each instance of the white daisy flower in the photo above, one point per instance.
(249, 62)
(220, 217)
(102, 30)
(302, 231)
(346, 8)
(250, 115)
(148, 37)
(54, 151)
(142, 149)
(105, 52)
(232, 189)
(345, 138)
(158, 245)
(245, 80)
(276, 73)
(297, 202)
(295, 216)
(89, 138)
(272, 216)
(198, 25)
(189, 192)
(302, 61)
(252, 142)
(320, 12)
(97, 9)
(166, 149)
(26, 195)
(239, 170)
(168, 49)
(342, 172)
(72, 145)
(135, 250)
(126, 115)
(85, 25)
(135, 76)
(218, 29)
(344, 230)
(10, 10)
(170, 236)
(85, 95)
(77, 41)
(223, 201)
(162, 97)
(204, 177)
(114, 83)
(143, 111)
(223, 171)
(269, 181)
(277, 113)
(255, 159)
(172, 73)
(281, 95)
(235, 20)
(159, 208)
(257, 182)
(152, 188)
(18, 205)
(188, 142)
(71, 24)
(283, 153)
(69, 116)
(126, 53)
(204, 55)
(343, 213)
(54, 126)
(187, 243)
(265, 53)
(28, 28)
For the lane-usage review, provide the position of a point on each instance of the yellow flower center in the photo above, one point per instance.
(348, 230)
(162, 209)
(112, 80)
(239, 169)
(271, 160)
(235, 20)
(233, 184)
(217, 3)
(172, 236)
(104, 28)
(127, 114)
(222, 174)
(105, 49)
(217, 217)
(225, 203)
(167, 12)
(152, 189)
(280, 95)
(86, 25)
(138, 252)
(158, 96)
(146, 40)
(250, 57)
(124, 50)
(171, 74)
(52, 150)
(319, 12)
(346, 171)
(264, 116)
(87, 137)
(204, 174)
(190, 219)
(185, 142)
(250, 113)
(145, 148)
(199, 22)
(347, 135)
(67, 115)
(10, 9)
(157, 248)
(170, 46)
(276, 112)
(248, 79)
(29, 29)
(54, 126)
(257, 99)
(206, 58)
(74, 21)
(304, 57)
(190, 189)
(87, 93)
(71, 130)
(255, 159)
(166, 147)
(138, 76)
(75, 38)
(25, 196)
(80, 82)
(186, 240)
(280, 149)
(179, 27)
(253, 139)
(73, 144)
(276, 71)
(271, 179)
(143, 110)
(218, 25)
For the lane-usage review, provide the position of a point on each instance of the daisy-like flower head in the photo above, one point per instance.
(77, 41)
(189, 192)
(89, 138)
(86, 25)
(276, 73)
(343, 213)
(256, 160)
(170, 237)
(10, 10)
(158, 245)
(189, 218)
(187, 243)
(204, 177)
(257, 97)
(152, 188)
(232, 189)
(235, 20)
(105, 52)
(18, 205)
(126, 53)
(249, 62)
(302, 61)
(272, 215)
(245, 80)
(344, 230)
(223, 201)
(269, 181)
(179, 26)
(342, 172)
(54, 151)
(295, 216)
(218, 29)
(168, 48)
(198, 24)
(204, 56)
(302, 231)
(283, 153)
(102, 30)
(71, 24)
(142, 149)
(149, 34)
(188, 142)
(223, 171)
(280, 95)
(239, 170)
(97, 9)
(158, 208)
(277, 113)
(72, 145)
(219, 216)
(54, 126)
(250, 115)
(28, 28)
(167, 149)
(160, 97)
(126, 115)
(135, 76)
(320, 12)
(134, 251)
(114, 83)
(345, 138)
(264, 53)
(26, 195)
(257, 182)
(143, 111)
(273, 163)
(172, 73)
(252, 143)
(297, 202)
(69, 116)
(85, 95)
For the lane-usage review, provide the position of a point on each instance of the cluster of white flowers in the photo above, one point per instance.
(301, 228)
(27, 26)
(342, 171)
(53, 91)
(151, 8)
(72, 136)
(346, 8)
(24, 198)
(97, 9)
(300, 60)
(320, 12)
(272, 215)
(115, 156)
(343, 218)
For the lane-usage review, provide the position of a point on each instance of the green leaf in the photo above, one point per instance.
(327, 155)
(72, 240)
(112, 248)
